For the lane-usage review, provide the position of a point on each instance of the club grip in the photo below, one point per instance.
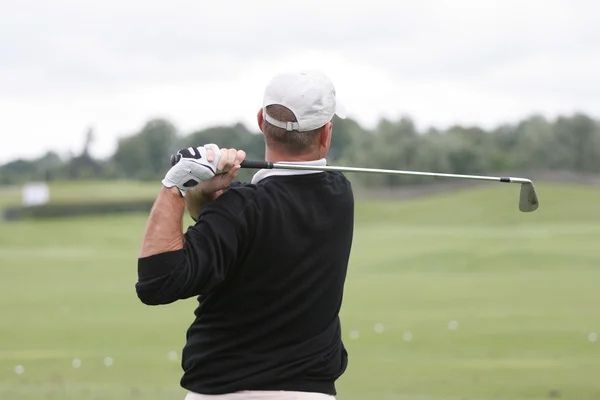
(251, 164)
(256, 164)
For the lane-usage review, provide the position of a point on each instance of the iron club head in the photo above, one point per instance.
(528, 199)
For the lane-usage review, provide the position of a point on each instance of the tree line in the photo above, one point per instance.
(566, 143)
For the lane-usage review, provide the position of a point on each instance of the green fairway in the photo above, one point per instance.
(520, 290)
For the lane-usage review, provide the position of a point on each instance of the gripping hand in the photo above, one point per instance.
(191, 167)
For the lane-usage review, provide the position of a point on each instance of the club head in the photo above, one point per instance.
(528, 199)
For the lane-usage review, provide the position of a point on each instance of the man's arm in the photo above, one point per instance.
(210, 250)
(162, 251)
(174, 266)
(197, 198)
(164, 227)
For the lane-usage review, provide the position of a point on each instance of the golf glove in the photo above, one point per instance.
(191, 167)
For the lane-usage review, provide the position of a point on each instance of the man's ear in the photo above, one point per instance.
(325, 136)
(260, 119)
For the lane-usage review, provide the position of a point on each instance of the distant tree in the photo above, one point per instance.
(467, 150)
(234, 136)
(48, 165)
(145, 155)
(82, 166)
(531, 150)
(89, 139)
(578, 139)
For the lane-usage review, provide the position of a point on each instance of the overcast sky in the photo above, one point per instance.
(66, 65)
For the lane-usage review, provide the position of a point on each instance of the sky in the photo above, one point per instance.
(68, 65)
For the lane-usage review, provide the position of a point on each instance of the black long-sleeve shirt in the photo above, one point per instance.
(268, 263)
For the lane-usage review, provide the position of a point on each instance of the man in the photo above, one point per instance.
(267, 259)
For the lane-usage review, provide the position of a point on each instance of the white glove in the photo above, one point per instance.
(192, 168)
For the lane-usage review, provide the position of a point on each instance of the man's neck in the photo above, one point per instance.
(274, 156)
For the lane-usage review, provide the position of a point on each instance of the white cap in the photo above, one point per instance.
(309, 95)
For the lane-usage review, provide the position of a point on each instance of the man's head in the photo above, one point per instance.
(296, 117)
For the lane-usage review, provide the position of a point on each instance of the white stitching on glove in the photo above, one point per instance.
(192, 168)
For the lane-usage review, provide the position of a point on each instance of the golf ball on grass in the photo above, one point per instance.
(19, 370)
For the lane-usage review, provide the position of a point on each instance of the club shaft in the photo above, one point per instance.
(269, 165)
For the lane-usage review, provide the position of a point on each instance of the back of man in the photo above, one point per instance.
(273, 324)
(268, 259)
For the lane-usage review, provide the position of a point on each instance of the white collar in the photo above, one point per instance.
(265, 173)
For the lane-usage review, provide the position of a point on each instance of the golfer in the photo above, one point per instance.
(267, 259)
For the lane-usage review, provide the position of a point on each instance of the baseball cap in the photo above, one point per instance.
(310, 95)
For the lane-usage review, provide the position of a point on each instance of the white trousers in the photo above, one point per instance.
(260, 395)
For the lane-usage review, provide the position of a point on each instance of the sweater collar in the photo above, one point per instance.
(265, 173)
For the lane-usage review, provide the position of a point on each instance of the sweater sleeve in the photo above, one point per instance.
(209, 255)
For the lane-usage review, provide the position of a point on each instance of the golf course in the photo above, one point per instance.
(452, 296)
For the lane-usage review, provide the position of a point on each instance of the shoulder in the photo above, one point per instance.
(234, 200)
(339, 177)
(240, 192)
(339, 184)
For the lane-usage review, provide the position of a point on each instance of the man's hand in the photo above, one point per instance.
(227, 167)
(193, 167)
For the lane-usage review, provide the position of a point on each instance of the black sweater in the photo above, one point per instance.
(268, 263)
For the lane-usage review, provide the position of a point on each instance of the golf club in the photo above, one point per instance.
(528, 199)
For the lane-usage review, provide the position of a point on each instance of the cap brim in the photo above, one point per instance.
(340, 110)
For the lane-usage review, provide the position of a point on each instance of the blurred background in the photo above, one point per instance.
(452, 292)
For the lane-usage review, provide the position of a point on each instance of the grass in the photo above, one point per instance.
(521, 288)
